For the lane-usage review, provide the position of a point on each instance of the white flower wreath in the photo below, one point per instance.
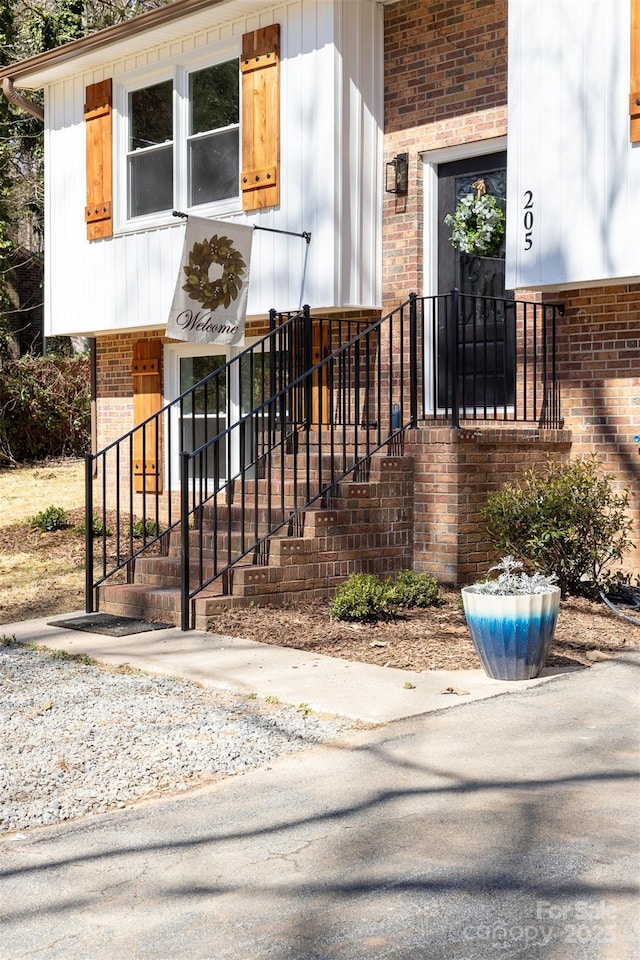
(477, 224)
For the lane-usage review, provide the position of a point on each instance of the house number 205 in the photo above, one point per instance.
(527, 219)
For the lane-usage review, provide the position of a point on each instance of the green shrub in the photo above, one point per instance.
(142, 529)
(567, 520)
(98, 527)
(365, 598)
(44, 407)
(416, 589)
(53, 518)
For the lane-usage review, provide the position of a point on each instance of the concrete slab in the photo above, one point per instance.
(359, 691)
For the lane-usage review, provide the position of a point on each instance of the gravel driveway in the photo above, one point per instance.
(77, 739)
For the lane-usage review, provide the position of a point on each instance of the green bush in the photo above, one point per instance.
(365, 598)
(141, 529)
(53, 518)
(416, 589)
(44, 407)
(98, 527)
(567, 520)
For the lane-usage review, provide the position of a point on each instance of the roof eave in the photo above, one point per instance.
(23, 70)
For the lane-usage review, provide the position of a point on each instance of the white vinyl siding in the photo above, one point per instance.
(331, 69)
(573, 177)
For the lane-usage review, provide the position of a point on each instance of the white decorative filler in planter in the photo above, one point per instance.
(512, 620)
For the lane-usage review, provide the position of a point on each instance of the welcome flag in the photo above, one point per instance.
(210, 299)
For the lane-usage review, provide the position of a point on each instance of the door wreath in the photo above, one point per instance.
(478, 223)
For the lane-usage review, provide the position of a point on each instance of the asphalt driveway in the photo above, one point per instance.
(503, 827)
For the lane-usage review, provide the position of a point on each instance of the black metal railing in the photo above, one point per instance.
(273, 431)
(486, 358)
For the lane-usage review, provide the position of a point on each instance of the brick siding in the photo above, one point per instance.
(599, 372)
(454, 470)
(445, 85)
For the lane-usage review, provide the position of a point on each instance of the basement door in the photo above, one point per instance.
(486, 354)
(214, 411)
(203, 415)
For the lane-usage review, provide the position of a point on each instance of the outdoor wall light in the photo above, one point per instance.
(397, 174)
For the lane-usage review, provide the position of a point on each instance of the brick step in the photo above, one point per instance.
(313, 522)
(379, 464)
(167, 571)
(277, 487)
(222, 539)
(348, 434)
(220, 544)
(343, 450)
(281, 480)
(299, 468)
(252, 517)
(282, 489)
(161, 604)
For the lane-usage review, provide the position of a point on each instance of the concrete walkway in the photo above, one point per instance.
(357, 690)
(504, 827)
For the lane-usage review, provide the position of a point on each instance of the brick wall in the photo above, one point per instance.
(599, 372)
(453, 473)
(445, 85)
(443, 60)
(114, 385)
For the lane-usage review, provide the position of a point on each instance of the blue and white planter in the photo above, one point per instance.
(512, 633)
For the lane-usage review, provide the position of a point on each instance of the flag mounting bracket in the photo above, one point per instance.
(290, 233)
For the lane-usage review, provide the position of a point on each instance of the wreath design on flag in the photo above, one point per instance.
(477, 224)
(214, 293)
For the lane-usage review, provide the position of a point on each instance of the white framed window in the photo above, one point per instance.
(150, 149)
(179, 143)
(213, 141)
(170, 138)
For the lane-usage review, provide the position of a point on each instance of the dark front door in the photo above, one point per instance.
(481, 348)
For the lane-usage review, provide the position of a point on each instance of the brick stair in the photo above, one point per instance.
(368, 527)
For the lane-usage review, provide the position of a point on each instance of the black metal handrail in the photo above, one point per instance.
(330, 419)
(136, 515)
(143, 515)
(313, 400)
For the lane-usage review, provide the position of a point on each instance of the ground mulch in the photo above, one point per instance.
(435, 638)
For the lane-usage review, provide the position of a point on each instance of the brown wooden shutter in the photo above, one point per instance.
(97, 115)
(634, 93)
(260, 67)
(147, 400)
(320, 348)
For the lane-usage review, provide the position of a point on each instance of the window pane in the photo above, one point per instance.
(151, 116)
(213, 398)
(150, 181)
(255, 384)
(214, 163)
(213, 97)
(194, 428)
